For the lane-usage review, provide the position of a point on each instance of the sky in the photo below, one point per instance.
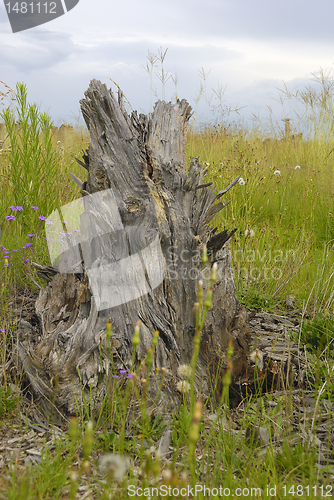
(247, 48)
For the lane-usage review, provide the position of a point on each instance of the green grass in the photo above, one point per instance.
(285, 220)
(284, 246)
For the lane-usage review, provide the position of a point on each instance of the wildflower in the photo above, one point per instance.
(297, 167)
(35, 208)
(88, 440)
(242, 182)
(113, 465)
(277, 172)
(42, 217)
(12, 208)
(58, 142)
(2, 330)
(49, 223)
(108, 330)
(123, 371)
(183, 386)
(250, 232)
(257, 357)
(184, 371)
(204, 255)
(149, 356)
(155, 339)
(10, 217)
(213, 276)
(19, 208)
(200, 293)
(136, 337)
(31, 235)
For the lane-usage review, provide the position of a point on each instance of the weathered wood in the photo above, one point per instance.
(140, 162)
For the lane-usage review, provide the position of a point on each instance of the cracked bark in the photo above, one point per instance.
(142, 159)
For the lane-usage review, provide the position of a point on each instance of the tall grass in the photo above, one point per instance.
(283, 209)
(35, 175)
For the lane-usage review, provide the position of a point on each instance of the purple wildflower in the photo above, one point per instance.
(26, 260)
(10, 217)
(129, 375)
(31, 235)
(19, 208)
(123, 371)
(12, 208)
(42, 217)
(49, 223)
(2, 330)
(115, 376)
(35, 208)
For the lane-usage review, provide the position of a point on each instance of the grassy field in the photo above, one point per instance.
(283, 208)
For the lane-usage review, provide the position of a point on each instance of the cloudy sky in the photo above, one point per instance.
(247, 47)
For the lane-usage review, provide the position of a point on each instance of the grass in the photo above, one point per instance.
(284, 247)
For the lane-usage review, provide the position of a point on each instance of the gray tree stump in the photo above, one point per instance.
(144, 199)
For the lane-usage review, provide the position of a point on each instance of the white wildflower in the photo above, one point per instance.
(113, 465)
(250, 232)
(183, 387)
(207, 164)
(297, 167)
(184, 371)
(242, 182)
(257, 357)
(277, 172)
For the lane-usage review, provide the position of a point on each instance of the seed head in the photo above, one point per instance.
(184, 371)
(113, 465)
(183, 387)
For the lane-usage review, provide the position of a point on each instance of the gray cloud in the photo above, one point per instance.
(248, 46)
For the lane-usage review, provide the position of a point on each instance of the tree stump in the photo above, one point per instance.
(143, 227)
